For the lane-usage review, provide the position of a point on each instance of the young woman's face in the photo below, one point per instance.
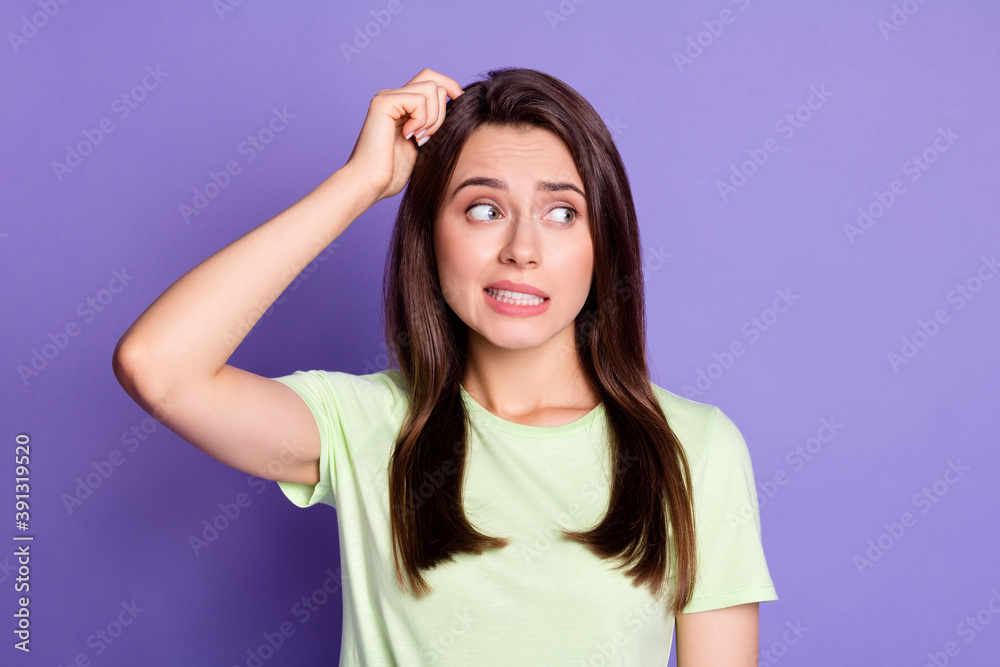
(515, 210)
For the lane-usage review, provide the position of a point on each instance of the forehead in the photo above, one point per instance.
(505, 151)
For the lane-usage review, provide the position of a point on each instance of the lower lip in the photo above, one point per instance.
(515, 310)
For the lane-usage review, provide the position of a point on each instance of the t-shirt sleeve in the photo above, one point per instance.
(732, 569)
(347, 409)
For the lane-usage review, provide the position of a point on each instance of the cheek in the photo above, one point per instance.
(580, 263)
(456, 267)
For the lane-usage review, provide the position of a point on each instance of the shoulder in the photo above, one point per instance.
(388, 382)
(705, 431)
(358, 399)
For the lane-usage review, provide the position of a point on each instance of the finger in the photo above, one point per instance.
(439, 116)
(452, 87)
(432, 102)
(397, 104)
(436, 112)
(422, 119)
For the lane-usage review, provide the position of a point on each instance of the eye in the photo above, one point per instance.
(572, 213)
(483, 205)
(494, 213)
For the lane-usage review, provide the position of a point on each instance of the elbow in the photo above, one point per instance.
(130, 370)
(140, 381)
(125, 366)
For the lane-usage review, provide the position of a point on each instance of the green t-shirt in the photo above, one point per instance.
(541, 600)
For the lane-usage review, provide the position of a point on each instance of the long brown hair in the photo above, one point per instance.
(651, 478)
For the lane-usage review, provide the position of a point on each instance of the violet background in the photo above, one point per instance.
(680, 130)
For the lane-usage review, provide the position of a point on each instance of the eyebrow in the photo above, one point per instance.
(500, 184)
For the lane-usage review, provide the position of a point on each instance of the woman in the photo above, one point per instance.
(518, 491)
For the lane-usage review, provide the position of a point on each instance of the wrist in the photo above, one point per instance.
(368, 193)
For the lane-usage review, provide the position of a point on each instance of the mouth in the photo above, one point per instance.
(513, 298)
(514, 290)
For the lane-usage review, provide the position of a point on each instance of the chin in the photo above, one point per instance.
(510, 341)
(518, 344)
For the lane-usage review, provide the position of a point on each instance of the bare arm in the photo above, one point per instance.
(172, 360)
(727, 637)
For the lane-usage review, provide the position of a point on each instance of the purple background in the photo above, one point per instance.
(713, 263)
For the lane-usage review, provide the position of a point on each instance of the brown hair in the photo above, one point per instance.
(651, 478)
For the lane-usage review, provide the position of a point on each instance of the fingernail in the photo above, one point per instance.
(410, 134)
(423, 141)
(421, 133)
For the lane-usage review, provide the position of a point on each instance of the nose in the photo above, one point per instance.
(522, 245)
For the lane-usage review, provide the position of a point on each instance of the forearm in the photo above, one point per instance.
(189, 332)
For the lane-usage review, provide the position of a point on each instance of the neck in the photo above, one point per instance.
(526, 381)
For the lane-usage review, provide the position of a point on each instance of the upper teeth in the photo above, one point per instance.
(513, 296)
